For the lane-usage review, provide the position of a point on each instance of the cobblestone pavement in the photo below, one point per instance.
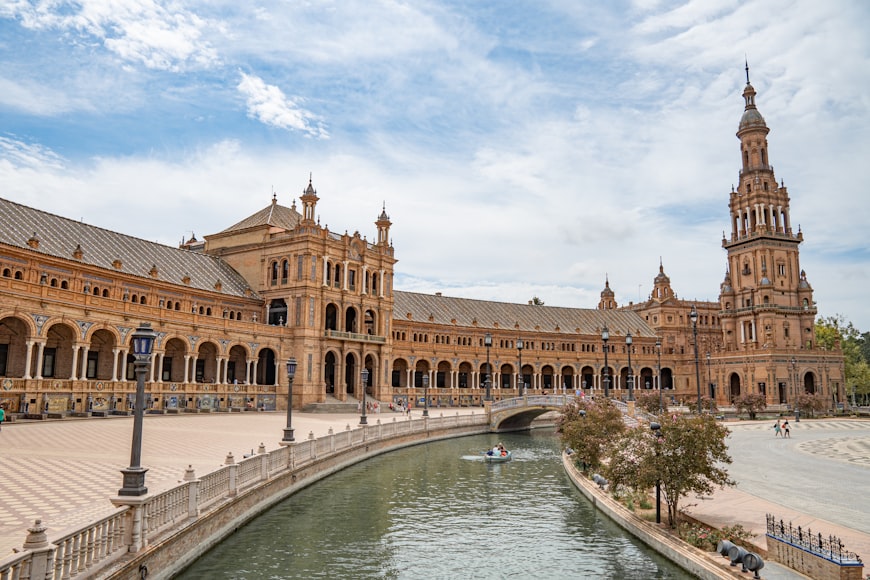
(64, 471)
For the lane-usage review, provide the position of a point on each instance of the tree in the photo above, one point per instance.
(810, 403)
(688, 455)
(588, 427)
(752, 403)
(833, 333)
(649, 402)
(536, 301)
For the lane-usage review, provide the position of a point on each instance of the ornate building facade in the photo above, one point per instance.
(231, 309)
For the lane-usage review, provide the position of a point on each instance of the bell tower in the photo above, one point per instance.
(766, 301)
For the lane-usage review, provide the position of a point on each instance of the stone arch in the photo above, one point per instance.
(330, 319)
(464, 376)
(266, 373)
(351, 319)
(99, 361)
(567, 382)
(809, 383)
(548, 378)
(587, 378)
(237, 364)
(733, 386)
(172, 366)
(57, 354)
(205, 365)
(399, 373)
(443, 375)
(352, 377)
(14, 331)
(330, 366)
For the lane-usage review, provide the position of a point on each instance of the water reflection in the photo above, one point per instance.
(438, 511)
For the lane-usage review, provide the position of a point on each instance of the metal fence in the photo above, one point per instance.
(830, 547)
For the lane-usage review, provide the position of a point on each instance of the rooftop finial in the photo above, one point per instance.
(747, 68)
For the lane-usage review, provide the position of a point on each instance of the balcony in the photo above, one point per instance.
(355, 337)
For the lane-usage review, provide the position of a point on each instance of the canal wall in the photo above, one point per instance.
(156, 536)
(687, 557)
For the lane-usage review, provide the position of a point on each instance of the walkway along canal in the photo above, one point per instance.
(439, 511)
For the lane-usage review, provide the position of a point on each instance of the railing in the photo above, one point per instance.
(354, 336)
(129, 528)
(829, 548)
(556, 401)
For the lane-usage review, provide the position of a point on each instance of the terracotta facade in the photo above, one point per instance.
(231, 309)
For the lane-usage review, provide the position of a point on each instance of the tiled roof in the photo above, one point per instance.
(273, 215)
(59, 237)
(529, 317)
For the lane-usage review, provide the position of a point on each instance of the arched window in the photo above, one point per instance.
(64, 285)
(285, 271)
(142, 301)
(274, 275)
(7, 273)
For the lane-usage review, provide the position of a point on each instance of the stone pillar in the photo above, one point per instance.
(75, 360)
(115, 352)
(42, 552)
(27, 358)
(39, 351)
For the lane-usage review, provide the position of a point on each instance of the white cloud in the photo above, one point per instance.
(159, 36)
(269, 105)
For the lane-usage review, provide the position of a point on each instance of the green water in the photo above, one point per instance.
(438, 511)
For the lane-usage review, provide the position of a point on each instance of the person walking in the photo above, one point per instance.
(2, 416)
(777, 430)
(786, 429)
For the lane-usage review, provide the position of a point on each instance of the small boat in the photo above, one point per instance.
(497, 458)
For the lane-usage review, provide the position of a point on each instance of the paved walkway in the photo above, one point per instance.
(815, 479)
(63, 472)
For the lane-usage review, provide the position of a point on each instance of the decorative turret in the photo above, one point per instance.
(662, 285)
(608, 300)
(383, 224)
(309, 202)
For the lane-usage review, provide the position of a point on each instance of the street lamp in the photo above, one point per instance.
(365, 379)
(291, 374)
(659, 372)
(656, 429)
(520, 389)
(694, 316)
(605, 336)
(426, 394)
(487, 342)
(630, 377)
(795, 381)
(709, 377)
(134, 476)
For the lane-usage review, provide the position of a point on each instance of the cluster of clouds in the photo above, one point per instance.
(520, 150)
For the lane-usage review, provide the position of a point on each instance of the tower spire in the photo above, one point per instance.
(747, 69)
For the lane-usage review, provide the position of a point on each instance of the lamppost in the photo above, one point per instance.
(426, 394)
(659, 373)
(134, 476)
(521, 383)
(605, 336)
(656, 429)
(795, 381)
(694, 316)
(291, 374)
(365, 379)
(709, 377)
(630, 377)
(487, 342)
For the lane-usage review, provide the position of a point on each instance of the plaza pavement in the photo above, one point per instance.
(64, 471)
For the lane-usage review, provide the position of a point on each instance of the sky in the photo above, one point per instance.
(521, 148)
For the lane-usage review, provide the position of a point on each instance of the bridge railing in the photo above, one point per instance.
(555, 401)
(89, 549)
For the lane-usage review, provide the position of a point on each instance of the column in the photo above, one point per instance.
(40, 349)
(254, 372)
(186, 368)
(248, 371)
(364, 290)
(277, 371)
(381, 285)
(115, 352)
(27, 358)
(75, 360)
(84, 373)
(325, 270)
(160, 367)
(344, 276)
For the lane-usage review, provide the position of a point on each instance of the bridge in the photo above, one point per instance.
(519, 412)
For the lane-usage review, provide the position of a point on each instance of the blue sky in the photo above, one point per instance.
(520, 148)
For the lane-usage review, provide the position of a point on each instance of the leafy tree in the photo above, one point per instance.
(752, 403)
(536, 301)
(810, 403)
(689, 454)
(835, 332)
(649, 402)
(588, 427)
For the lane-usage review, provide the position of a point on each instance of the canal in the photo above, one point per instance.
(438, 511)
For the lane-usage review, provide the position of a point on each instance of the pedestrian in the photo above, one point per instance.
(786, 429)
(777, 430)
(2, 416)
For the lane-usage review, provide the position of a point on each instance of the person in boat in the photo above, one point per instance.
(501, 450)
(495, 451)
